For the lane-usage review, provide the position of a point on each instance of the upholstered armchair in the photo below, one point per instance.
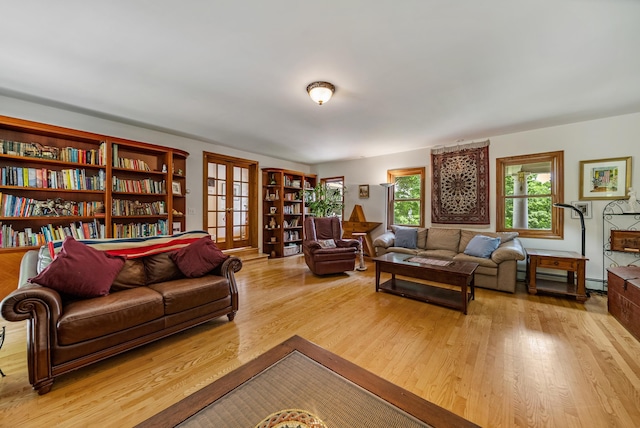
(324, 249)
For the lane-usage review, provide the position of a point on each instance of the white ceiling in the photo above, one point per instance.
(409, 74)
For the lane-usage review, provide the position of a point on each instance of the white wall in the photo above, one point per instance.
(54, 116)
(597, 139)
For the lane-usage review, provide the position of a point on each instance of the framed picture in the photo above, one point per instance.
(175, 188)
(363, 191)
(584, 206)
(605, 178)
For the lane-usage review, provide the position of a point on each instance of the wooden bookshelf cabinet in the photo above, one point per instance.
(100, 186)
(283, 210)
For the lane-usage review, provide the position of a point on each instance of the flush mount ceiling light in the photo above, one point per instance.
(320, 92)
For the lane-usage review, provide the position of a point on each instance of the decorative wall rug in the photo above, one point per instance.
(291, 418)
(460, 184)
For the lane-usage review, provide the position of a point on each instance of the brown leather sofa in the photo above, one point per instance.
(149, 300)
(325, 252)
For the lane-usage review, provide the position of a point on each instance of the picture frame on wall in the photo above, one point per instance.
(605, 178)
(363, 191)
(584, 207)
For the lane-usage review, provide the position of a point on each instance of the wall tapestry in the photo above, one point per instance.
(460, 184)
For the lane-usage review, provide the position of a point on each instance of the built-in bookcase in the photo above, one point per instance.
(57, 182)
(283, 210)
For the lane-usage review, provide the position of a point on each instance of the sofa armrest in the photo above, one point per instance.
(385, 240)
(510, 250)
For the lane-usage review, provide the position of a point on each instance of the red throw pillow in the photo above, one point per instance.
(79, 270)
(198, 258)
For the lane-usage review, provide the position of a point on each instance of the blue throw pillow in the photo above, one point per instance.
(482, 246)
(406, 237)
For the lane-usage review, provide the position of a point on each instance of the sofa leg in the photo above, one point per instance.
(44, 386)
(231, 315)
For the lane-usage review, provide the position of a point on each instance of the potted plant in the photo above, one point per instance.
(323, 200)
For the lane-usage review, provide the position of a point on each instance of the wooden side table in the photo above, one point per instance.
(572, 262)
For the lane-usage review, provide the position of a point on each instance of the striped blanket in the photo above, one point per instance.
(132, 248)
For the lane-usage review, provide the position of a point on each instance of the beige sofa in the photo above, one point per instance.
(497, 272)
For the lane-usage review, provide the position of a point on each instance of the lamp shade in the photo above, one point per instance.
(320, 92)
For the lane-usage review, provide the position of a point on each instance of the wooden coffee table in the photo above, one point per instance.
(437, 272)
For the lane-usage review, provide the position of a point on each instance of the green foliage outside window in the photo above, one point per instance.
(406, 203)
(538, 203)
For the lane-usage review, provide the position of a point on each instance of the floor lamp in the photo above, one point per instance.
(581, 219)
(386, 187)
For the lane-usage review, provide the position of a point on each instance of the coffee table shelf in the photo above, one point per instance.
(453, 283)
(425, 293)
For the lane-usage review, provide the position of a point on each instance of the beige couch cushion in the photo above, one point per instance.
(443, 239)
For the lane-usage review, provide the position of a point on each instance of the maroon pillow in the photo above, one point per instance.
(81, 271)
(198, 258)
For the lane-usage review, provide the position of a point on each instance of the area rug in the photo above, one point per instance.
(300, 385)
(460, 184)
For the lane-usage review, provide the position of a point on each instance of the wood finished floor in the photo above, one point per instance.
(514, 361)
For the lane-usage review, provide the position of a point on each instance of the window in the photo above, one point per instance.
(527, 188)
(335, 186)
(406, 198)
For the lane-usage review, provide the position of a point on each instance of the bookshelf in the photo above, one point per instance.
(283, 211)
(57, 182)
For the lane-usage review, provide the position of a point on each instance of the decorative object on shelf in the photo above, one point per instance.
(633, 201)
(386, 187)
(460, 184)
(176, 188)
(164, 167)
(579, 213)
(272, 179)
(320, 92)
(363, 191)
(272, 223)
(273, 210)
(605, 178)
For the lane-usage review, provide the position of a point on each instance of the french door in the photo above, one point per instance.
(230, 191)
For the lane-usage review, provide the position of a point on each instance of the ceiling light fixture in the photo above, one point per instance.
(320, 92)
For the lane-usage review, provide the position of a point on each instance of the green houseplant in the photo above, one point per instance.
(323, 200)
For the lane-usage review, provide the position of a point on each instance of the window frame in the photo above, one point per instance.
(557, 194)
(392, 174)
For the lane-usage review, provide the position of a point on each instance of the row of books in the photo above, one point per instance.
(292, 209)
(133, 208)
(140, 230)
(18, 206)
(72, 179)
(66, 154)
(119, 162)
(11, 238)
(146, 185)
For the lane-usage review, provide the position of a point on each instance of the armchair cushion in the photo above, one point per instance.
(326, 243)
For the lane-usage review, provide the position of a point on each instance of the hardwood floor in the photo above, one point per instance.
(513, 361)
